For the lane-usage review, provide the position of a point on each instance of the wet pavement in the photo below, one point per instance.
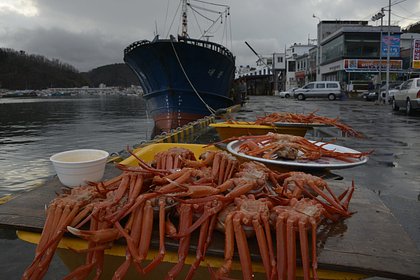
(392, 171)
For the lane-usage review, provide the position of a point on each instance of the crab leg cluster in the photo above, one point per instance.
(179, 197)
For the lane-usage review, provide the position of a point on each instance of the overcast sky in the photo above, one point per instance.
(92, 33)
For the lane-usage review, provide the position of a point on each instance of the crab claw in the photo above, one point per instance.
(100, 236)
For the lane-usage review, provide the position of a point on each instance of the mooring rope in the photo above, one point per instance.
(211, 110)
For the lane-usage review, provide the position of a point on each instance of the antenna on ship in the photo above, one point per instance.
(184, 32)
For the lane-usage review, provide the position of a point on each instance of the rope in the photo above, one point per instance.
(211, 110)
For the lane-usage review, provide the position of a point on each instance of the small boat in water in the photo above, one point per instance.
(183, 79)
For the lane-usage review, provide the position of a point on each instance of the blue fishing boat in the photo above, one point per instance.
(183, 79)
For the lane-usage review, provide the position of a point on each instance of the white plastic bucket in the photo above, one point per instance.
(76, 167)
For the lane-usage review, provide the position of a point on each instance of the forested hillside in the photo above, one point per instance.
(112, 75)
(19, 70)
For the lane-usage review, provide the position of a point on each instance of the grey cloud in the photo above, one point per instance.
(82, 50)
(91, 33)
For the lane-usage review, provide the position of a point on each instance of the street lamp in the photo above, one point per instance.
(380, 15)
(376, 17)
(319, 36)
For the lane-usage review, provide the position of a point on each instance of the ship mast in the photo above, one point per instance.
(184, 19)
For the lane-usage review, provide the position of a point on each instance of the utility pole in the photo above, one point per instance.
(319, 38)
(380, 16)
(388, 50)
(380, 51)
(275, 79)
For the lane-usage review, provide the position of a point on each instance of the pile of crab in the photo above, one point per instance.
(180, 196)
(311, 118)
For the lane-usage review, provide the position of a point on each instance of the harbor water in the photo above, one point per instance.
(31, 130)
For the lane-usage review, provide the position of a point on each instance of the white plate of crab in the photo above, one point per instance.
(323, 162)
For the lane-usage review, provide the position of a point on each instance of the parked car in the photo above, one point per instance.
(286, 93)
(329, 89)
(373, 95)
(370, 96)
(393, 88)
(408, 97)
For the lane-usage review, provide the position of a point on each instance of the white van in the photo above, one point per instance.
(329, 89)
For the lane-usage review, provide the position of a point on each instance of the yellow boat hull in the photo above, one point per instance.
(115, 256)
(228, 130)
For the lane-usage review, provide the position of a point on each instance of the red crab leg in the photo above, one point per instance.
(47, 254)
(147, 228)
(136, 219)
(242, 245)
(158, 259)
(349, 196)
(224, 270)
(131, 247)
(262, 245)
(200, 249)
(281, 238)
(215, 170)
(50, 223)
(213, 221)
(222, 170)
(333, 202)
(100, 235)
(304, 248)
(239, 190)
(130, 207)
(82, 214)
(123, 269)
(185, 221)
(208, 212)
(291, 248)
(269, 239)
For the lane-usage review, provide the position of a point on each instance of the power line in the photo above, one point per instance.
(416, 19)
(395, 3)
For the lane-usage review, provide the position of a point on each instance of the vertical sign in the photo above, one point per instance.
(394, 45)
(416, 54)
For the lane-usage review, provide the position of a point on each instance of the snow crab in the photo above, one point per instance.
(284, 146)
(173, 158)
(247, 214)
(299, 184)
(308, 119)
(298, 218)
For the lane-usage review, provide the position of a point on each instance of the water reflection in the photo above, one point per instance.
(34, 129)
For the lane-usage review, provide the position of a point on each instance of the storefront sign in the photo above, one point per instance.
(300, 75)
(370, 65)
(394, 45)
(416, 54)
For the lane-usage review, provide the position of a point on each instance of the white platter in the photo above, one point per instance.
(329, 163)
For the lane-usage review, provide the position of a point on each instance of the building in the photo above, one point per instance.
(407, 49)
(266, 78)
(354, 52)
(297, 61)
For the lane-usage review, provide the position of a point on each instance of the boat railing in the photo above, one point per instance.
(206, 44)
(135, 45)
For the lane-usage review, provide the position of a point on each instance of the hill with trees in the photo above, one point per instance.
(118, 74)
(19, 70)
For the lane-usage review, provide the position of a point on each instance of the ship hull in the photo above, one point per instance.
(182, 80)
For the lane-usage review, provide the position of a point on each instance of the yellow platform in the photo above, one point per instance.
(114, 257)
(147, 153)
(227, 130)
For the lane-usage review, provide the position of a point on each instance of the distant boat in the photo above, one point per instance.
(183, 79)
(23, 93)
